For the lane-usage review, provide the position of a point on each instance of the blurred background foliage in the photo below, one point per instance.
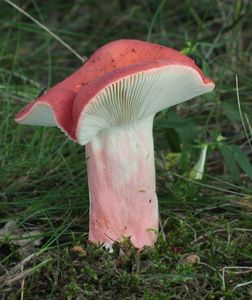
(43, 176)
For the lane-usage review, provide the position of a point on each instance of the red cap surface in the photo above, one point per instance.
(64, 103)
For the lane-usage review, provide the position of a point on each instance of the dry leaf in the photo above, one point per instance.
(26, 240)
(246, 202)
(79, 250)
(190, 259)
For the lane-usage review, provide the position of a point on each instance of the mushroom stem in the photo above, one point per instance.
(121, 179)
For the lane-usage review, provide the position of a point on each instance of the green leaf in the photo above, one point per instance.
(166, 124)
(232, 112)
(184, 127)
(189, 48)
(206, 68)
(230, 162)
(242, 160)
(173, 139)
(184, 161)
(197, 171)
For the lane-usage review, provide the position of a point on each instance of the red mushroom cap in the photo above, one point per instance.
(71, 104)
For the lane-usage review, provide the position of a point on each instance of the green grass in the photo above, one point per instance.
(43, 182)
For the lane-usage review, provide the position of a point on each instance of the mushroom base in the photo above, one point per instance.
(121, 179)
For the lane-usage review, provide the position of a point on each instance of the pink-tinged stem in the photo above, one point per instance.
(121, 179)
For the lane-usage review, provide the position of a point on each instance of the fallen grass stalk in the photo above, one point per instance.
(18, 272)
(229, 269)
(241, 285)
(209, 186)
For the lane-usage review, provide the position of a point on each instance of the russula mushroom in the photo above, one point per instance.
(108, 105)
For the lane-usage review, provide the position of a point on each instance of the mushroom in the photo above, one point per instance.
(108, 105)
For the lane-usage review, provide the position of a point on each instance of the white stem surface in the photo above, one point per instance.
(121, 179)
